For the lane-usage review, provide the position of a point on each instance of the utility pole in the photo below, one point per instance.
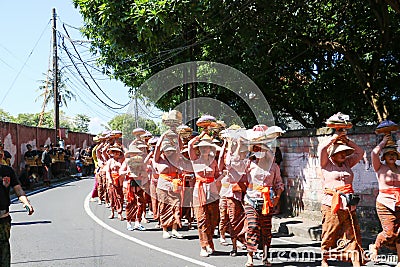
(136, 109)
(55, 79)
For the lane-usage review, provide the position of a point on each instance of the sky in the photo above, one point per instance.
(25, 51)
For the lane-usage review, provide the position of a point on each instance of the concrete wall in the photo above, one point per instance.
(15, 138)
(302, 175)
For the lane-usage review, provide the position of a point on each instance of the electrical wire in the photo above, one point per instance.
(90, 109)
(87, 84)
(91, 75)
(23, 66)
(79, 80)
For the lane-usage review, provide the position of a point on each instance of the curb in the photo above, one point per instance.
(297, 226)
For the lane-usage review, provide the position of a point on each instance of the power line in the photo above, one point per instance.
(87, 84)
(23, 66)
(79, 80)
(91, 75)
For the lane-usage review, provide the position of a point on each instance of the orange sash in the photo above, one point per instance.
(266, 194)
(173, 178)
(336, 201)
(129, 192)
(392, 191)
(200, 181)
(115, 177)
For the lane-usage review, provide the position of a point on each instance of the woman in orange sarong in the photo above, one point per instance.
(168, 164)
(115, 181)
(133, 171)
(205, 192)
(341, 237)
(232, 190)
(264, 187)
(388, 200)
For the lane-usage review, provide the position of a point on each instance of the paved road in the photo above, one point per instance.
(68, 230)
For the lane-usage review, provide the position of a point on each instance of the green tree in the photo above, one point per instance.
(5, 116)
(310, 59)
(47, 90)
(29, 119)
(81, 123)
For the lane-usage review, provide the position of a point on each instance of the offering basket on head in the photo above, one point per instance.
(172, 119)
(137, 132)
(386, 127)
(184, 131)
(207, 122)
(339, 122)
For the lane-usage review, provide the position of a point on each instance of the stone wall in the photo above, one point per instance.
(302, 175)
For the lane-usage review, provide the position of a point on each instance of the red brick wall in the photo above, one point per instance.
(15, 137)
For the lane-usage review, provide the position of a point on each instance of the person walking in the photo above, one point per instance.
(388, 199)
(264, 187)
(46, 162)
(205, 192)
(9, 180)
(115, 181)
(133, 171)
(167, 163)
(341, 235)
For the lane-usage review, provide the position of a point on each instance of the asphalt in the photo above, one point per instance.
(299, 226)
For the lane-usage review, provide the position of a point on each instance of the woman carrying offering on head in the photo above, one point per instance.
(169, 186)
(114, 180)
(341, 238)
(133, 171)
(205, 192)
(388, 200)
(263, 191)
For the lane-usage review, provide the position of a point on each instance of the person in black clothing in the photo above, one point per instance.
(30, 153)
(46, 162)
(7, 155)
(78, 161)
(27, 178)
(67, 157)
(8, 181)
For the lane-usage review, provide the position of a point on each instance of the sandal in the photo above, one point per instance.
(267, 263)
(249, 264)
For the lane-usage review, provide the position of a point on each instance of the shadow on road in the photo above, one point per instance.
(63, 259)
(30, 223)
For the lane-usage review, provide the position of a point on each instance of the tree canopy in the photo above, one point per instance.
(80, 123)
(309, 58)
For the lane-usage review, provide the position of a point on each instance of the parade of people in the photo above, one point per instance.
(225, 180)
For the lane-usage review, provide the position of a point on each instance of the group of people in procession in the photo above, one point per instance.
(203, 177)
(228, 177)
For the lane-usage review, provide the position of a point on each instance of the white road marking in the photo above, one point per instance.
(138, 241)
